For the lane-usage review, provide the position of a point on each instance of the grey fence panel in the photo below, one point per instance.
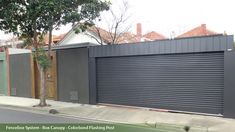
(72, 74)
(168, 46)
(203, 44)
(186, 45)
(230, 43)
(186, 82)
(2, 77)
(224, 45)
(173, 46)
(191, 48)
(229, 85)
(209, 44)
(21, 75)
(3, 74)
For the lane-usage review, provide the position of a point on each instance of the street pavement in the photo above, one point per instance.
(118, 114)
(9, 116)
(18, 116)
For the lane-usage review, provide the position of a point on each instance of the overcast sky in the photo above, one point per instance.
(167, 16)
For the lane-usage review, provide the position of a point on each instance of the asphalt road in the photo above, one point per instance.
(9, 115)
(13, 115)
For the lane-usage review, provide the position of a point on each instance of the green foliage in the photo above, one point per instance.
(30, 19)
(19, 16)
(42, 58)
(82, 27)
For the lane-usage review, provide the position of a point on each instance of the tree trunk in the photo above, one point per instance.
(49, 43)
(43, 87)
(42, 72)
(35, 35)
(50, 37)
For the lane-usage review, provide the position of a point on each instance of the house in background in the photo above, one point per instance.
(198, 31)
(92, 35)
(74, 38)
(13, 42)
(150, 36)
(55, 38)
(153, 36)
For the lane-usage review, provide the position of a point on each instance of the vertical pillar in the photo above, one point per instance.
(4, 77)
(229, 84)
(92, 81)
(8, 72)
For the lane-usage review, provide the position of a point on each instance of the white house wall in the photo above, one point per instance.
(74, 38)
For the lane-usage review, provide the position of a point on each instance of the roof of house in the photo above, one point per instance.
(126, 37)
(55, 38)
(106, 38)
(197, 31)
(154, 36)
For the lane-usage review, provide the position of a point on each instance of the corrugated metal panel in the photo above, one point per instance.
(229, 85)
(72, 67)
(3, 74)
(2, 77)
(187, 82)
(186, 45)
(20, 65)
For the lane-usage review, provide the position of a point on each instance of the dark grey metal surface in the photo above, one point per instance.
(187, 82)
(92, 80)
(72, 71)
(21, 75)
(229, 84)
(186, 45)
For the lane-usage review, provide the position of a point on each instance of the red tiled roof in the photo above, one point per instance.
(198, 31)
(126, 37)
(103, 33)
(55, 38)
(154, 36)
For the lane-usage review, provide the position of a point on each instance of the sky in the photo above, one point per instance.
(178, 16)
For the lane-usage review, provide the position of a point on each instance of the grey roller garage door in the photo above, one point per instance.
(186, 82)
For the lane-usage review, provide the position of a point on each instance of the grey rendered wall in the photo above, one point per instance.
(229, 84)
(186, 45)
(21, 75)
(72, 71)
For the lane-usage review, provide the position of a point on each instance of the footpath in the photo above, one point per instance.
(129, 115)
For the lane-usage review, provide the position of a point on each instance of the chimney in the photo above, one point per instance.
(139, 29)
(204, 29)
(225, 33)
(203, 25)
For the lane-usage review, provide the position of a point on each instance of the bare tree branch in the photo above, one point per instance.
(99, 39)
(117, 26)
